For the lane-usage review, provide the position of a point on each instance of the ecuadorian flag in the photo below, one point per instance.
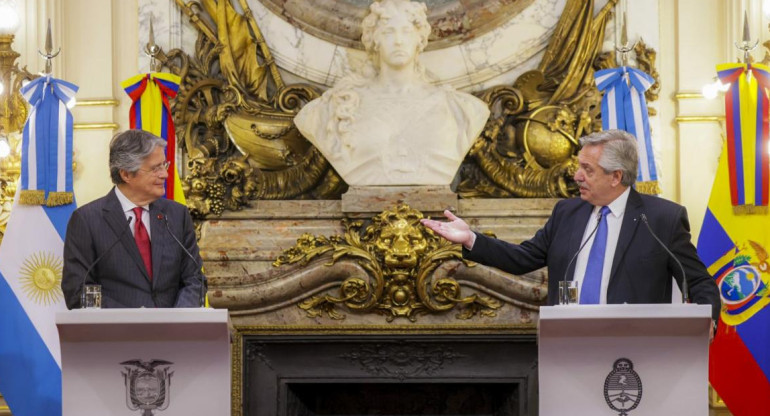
(734, 243)
(151, 111)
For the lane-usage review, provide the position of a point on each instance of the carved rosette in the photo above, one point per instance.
(402, 360)
(399, 256)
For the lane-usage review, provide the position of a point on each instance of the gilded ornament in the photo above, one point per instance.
(399, 255)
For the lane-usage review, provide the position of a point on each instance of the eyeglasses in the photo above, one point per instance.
(158, 169)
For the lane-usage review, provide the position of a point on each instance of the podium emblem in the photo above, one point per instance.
(623, 387)
(148, 387)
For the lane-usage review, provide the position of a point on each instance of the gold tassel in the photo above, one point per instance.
(648, 187)
(750, 209)
(56, 199)
(32, 197)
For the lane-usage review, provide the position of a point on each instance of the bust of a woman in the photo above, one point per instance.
(385, 123)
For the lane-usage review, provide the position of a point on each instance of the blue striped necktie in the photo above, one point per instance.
(592, 281)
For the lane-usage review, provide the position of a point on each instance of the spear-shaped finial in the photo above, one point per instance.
(152, 50)
(624, 31)
(624, 47)
(48, 40)
(745, 45)
(746, 35)
(48, 55)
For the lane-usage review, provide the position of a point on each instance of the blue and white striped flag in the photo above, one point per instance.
(31, 255)
(30, 296)
(625, 108)
(46, 169)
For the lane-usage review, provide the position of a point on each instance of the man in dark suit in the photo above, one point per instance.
(128, 236)
(633, 267)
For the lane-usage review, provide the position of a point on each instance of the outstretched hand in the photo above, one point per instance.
(455, 230)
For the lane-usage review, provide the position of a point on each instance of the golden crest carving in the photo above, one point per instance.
(529, 145)
(234, 115)
(399, 256)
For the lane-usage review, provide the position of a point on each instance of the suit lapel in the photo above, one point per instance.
(627, 229)
(159, 236)
(576, 235)
(116, 219)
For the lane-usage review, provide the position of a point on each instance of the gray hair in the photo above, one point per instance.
(619, 153)
(129, 149)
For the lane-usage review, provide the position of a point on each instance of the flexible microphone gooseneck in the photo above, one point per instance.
(565, 295)
(685, 287)
(201, 298)
(98, 259)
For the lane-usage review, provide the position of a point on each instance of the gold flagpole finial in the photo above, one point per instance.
(48, 55)
(624, 47)
(745, 45)
(152, 50)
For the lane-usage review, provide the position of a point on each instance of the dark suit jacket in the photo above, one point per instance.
(641, 270)
(94, 227)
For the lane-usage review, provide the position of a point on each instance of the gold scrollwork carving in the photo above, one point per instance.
(235, 117)
(399, 256)
(529, 144)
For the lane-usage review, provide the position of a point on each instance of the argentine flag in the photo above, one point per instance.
(31, 254)
(30, 296)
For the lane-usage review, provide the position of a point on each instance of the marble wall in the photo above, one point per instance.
(493, 58)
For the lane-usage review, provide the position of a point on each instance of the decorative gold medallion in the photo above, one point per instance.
(41, 277)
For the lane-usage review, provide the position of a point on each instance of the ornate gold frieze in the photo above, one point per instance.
(399, 256)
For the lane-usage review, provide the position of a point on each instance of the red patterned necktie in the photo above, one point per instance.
(143, 241)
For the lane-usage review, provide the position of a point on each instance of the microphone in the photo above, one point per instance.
(565, 295)
(201, 296)
(685, 288)
(98, 259)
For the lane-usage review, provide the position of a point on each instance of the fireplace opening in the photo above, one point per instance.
(403, 399)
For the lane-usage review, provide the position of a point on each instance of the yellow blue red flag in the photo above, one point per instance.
(151, 94)
(746, 119)
(734, 243)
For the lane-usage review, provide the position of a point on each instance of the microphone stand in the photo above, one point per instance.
(685, 287)
(565, 296)
(201, 296)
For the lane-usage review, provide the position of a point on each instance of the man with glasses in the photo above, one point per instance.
(139, 246)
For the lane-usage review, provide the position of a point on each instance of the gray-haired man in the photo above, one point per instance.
(631, 267)
(125, 241)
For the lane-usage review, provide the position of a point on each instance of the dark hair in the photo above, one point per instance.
(129, 149)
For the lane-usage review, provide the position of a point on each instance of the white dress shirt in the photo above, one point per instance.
(128, 210)
(614, 221)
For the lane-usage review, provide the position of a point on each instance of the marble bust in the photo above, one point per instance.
(385, 123)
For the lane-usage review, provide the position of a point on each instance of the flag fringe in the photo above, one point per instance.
(648, 187)
(32, 197)
(56, 199)
(750, 209)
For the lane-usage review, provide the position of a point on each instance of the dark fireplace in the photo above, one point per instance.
(397, 399)
(390, 375)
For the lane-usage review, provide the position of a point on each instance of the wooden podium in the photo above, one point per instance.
(145, 362)
(635, 360)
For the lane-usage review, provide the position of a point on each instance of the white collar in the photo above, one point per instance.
(618, 206)
(126, 203)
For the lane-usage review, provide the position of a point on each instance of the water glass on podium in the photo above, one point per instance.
(568, 292)
(91, 298)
